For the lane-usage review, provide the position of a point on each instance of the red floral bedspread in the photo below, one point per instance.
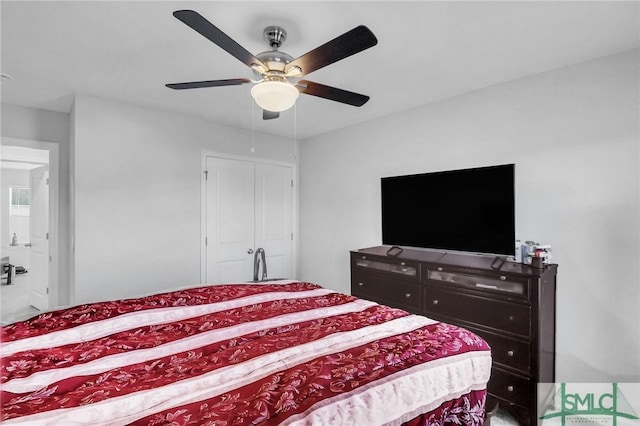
(285, 353)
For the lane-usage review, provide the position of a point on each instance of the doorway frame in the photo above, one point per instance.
(203, 205)
(54, 182)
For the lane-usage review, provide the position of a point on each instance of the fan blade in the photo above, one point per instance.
(269, 115)
(349, 43)
(331, 93)
(213, 33)
(208, 83)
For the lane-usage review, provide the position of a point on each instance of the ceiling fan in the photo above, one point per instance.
(279, 75)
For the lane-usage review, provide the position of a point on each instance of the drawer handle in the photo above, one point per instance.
(510, 353)
(360, 284)
(364, 257)
(435, 301)
(511, 317)
(402, 263)
(439, 269)
(407, 295)
(503, 278)
(510, 388)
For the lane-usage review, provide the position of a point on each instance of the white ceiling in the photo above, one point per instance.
(427, 51)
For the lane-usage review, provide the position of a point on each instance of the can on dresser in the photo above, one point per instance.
(529, 247)
(518, 257)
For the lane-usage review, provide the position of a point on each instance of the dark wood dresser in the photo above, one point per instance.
(510, 305)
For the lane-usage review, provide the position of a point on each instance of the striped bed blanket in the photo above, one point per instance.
(278, 353)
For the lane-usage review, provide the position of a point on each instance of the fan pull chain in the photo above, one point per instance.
(253, 147)
(295, 131)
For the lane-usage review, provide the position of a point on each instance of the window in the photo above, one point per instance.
(19, 214)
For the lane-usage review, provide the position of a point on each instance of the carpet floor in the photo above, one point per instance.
(14, 300)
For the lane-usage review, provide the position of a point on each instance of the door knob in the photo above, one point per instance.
(250, 251)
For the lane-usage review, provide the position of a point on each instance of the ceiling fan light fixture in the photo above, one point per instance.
(275, 96)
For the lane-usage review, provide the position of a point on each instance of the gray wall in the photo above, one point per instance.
(136, 175)
(573, 135)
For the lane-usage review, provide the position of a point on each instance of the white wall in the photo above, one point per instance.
(10, 177)
(20, 256)
(136, 175)
(35, 124)
(30, 126)
(573, 135)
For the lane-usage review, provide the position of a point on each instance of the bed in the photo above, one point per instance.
(276, 353)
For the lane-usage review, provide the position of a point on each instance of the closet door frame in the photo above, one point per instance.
(203, 206)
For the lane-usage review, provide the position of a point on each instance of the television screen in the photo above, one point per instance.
(469, 210)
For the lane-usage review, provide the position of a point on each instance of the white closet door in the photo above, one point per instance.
(273, 213)
(39, 235)
(230, 220)
(249, 205)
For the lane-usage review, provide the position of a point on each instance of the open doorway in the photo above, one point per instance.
(25, 222)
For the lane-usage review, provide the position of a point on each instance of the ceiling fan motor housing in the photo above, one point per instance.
(274, 59)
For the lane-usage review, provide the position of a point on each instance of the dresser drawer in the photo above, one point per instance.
(396, 293)
(501, 315)
(513, 388)
(400, 267)
(498, 284)
(509, 352)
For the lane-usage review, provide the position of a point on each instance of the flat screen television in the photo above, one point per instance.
(467, 210)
